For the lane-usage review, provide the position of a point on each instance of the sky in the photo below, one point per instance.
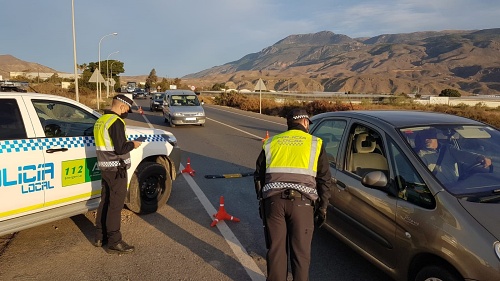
(180, 37)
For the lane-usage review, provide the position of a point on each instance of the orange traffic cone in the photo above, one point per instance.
(267, 136)
(222, 215)
(141, 111)
(188, 168)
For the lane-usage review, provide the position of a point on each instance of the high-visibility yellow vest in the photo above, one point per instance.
(107, 159)
(292, 153)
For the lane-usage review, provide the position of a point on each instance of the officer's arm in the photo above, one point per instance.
(117, 134)
(323, 179)
(260, 168)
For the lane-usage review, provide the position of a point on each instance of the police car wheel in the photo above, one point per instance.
(150, 188)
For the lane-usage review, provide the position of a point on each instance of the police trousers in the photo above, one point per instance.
(108, 219)
(290, 225)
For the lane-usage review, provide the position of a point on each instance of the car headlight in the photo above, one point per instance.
(496, 246)
(200, 114)
(177, 114)
(170, 139)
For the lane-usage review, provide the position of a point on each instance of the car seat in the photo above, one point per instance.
(365, 159)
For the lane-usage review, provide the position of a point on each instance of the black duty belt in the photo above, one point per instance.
(292, 194)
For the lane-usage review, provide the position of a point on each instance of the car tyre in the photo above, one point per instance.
(171, 123)
(436, 273)
(150, 188)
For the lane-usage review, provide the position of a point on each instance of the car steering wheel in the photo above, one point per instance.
(476, 168)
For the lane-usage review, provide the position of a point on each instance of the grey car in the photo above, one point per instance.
(416, 193)
(182, 107)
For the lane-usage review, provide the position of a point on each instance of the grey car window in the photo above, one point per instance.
(410, 185)
(331, 131)
(366, 151)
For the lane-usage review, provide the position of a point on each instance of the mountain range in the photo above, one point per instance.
(419, 62)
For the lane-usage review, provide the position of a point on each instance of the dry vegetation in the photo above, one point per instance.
(481, 113)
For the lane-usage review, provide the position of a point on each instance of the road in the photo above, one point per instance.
(177, 242)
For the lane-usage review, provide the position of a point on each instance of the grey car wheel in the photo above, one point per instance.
(436, 273)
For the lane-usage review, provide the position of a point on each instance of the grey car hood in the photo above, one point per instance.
(486, 214)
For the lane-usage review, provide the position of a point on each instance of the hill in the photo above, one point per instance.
(423, 62)
(9, 64)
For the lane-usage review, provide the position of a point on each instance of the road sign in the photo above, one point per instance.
(93, 78)
(260, 86)
(192, 88)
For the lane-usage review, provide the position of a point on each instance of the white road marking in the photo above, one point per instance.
(234, 128)
(239, 251)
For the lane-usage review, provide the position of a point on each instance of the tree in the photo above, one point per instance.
(151, 80)
(450, 93)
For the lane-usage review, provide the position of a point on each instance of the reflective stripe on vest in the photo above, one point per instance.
(107, 159)
(293, 152)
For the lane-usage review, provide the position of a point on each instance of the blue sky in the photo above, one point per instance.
(180, 37)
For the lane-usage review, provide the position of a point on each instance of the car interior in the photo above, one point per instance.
(367, 155)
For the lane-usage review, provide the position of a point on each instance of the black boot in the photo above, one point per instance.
(121, 248)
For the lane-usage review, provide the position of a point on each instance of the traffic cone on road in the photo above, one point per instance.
(141, 111)
(222, 215)
(188, 168)
(267, 136)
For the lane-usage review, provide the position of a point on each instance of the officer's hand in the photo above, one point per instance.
(320, 217)
(136, 143)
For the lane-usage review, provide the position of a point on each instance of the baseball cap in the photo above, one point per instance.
(126, 100)
(296, 114)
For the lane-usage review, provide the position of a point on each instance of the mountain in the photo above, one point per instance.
(423, 62)
(9, 63)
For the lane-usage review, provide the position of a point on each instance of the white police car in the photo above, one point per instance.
(48, 164)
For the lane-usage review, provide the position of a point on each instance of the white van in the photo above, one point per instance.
(182, 107)
(48, 164)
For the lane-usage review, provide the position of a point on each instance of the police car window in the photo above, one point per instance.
(11, 122)
(410, 185)
(331, 131)
(60, 119)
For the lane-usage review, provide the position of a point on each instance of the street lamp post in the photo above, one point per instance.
(99, 61)
(74, 50)
(107, 73)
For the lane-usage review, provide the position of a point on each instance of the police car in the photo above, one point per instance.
(48, 164)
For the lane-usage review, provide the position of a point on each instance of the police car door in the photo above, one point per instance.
(68, 145)
(22, 167)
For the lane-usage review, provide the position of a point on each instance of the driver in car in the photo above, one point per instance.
(443, 160)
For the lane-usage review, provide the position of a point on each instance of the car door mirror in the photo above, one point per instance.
(378, 180)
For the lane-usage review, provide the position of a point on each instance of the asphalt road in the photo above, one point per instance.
(177, 242)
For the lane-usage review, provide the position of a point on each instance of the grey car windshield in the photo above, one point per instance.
(462, 158)
(184, 100)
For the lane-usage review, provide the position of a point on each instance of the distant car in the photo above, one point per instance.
(182, 107)
(139, 94)
(415, 218)
(156, 101)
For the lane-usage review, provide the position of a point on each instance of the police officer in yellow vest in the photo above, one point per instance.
(294, 173)
(113, 159)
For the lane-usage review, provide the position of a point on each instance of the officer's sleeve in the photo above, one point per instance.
(260, 168)
(324, 181)
(117, 134)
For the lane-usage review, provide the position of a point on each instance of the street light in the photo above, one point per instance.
(107, 73)
(74, 49)
(98, 84)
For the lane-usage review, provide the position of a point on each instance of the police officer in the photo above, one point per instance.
(294, 173)
(113, 159)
